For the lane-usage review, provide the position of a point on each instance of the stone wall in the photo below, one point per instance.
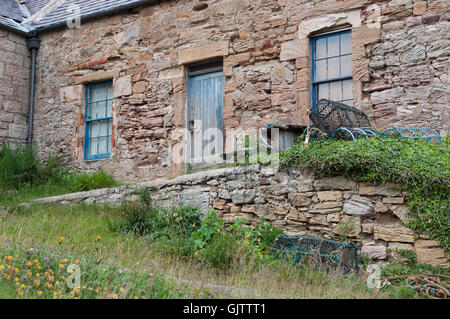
(410, 68)
(372, 216)
(399, 71)
(14, 88)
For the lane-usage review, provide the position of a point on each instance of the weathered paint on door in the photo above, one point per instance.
(205, 112)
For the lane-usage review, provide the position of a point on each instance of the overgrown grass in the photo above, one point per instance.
(80, 225)
(422, 167)
(182, 231)
(24, 177)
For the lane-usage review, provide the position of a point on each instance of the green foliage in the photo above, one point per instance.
(88, 181)
(220, 251)
(258, 239)
(215, 244)
(144, 219)
(23, 173)
(209, 226)
(422, 167)
(405, 263)
(21, 166)
(44, 274)
(410, 266)
(181, 232)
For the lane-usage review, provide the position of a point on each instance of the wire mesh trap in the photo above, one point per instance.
(319, 252)
(414, 133)
(328, 116)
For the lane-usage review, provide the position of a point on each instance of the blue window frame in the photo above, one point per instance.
(98, 118)
(332, 67)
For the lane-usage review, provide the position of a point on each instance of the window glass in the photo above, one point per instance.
(332, 61)
(99, 120)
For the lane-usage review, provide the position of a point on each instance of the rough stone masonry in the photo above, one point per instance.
(400, 65)
(374, 217)
(14, 86)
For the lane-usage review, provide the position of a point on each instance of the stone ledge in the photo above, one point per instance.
(204, 52)
(152, 185)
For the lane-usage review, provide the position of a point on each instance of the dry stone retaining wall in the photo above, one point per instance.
(336, 208)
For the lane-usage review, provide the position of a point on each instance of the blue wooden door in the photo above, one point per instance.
(205, 116)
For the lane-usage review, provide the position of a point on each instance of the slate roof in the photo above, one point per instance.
(12, 16)
(36, 5)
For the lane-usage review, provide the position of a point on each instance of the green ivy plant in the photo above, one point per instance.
(423, 168)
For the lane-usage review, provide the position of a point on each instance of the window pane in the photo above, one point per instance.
(109, 109)
(101, 109)
(323, 91)
(102, 92)
(321, 48)
(104, 128)
(346, 65)
(333, 68)
(93, 94)
(348, 102)
(320, 70)
(92, 111)
(336, 91)
(93, 146)
(346, 43)
(93, 129)
(333, 46)
(347, 89)
(103, 145)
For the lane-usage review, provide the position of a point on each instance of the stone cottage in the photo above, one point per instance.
(121, 85)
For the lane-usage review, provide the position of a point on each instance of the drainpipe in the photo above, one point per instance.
(33, 43)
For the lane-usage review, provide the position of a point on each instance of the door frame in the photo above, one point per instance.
(195, 69)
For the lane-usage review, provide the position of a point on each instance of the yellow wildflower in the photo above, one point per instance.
(39, 293)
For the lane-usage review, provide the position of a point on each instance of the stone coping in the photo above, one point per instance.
(189, 179)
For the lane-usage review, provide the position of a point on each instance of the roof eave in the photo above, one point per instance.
(17, 31)
(94, 15)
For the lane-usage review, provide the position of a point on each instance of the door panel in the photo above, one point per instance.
(205, 116)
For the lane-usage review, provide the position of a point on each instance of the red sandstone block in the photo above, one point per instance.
(98, 61)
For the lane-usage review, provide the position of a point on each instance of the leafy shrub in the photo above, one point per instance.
(422, 167)
(209, 226)
(258, 239)
(144, 219)
(220, 252)
(212, 236)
